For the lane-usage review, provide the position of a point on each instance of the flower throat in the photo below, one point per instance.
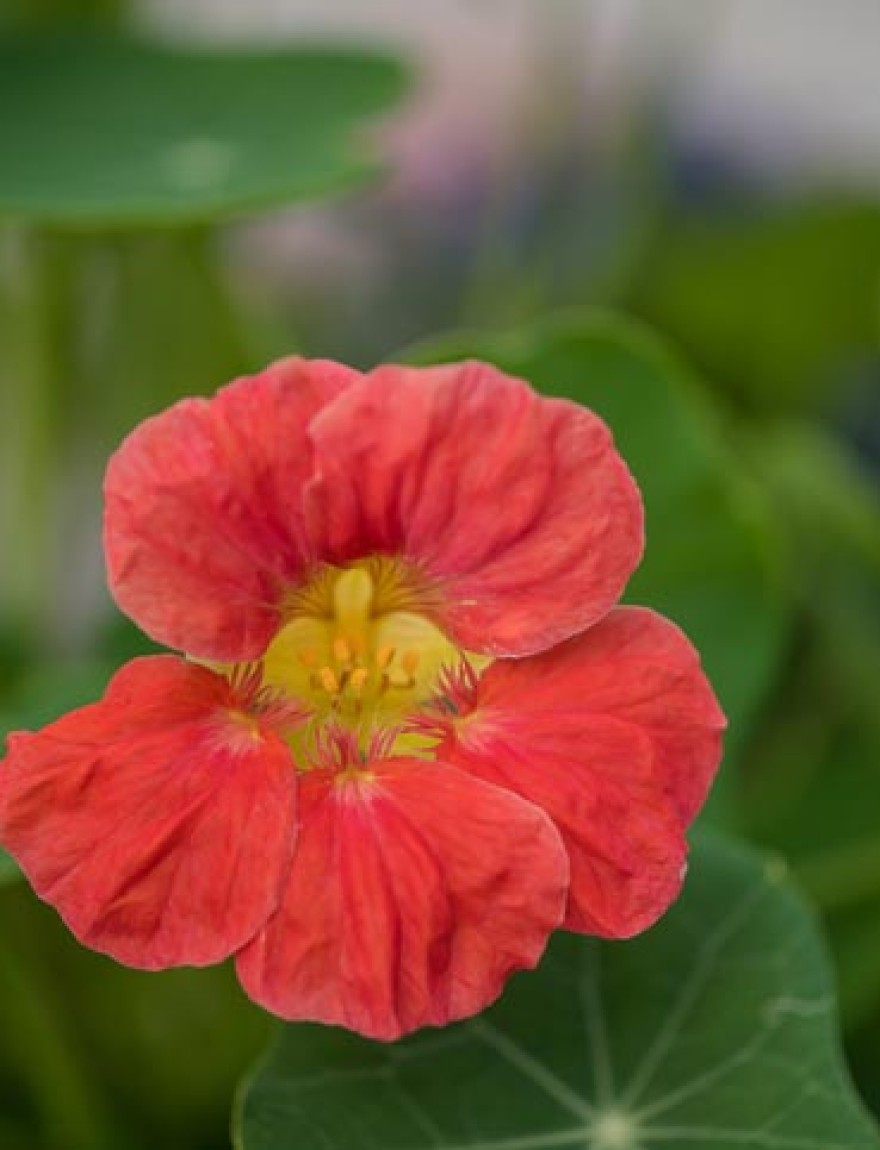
(354, 649)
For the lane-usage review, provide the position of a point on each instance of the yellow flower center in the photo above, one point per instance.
(355, 651)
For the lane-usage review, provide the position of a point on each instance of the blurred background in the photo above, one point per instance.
(670, 211)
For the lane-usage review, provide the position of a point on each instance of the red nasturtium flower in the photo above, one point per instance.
(410, 733)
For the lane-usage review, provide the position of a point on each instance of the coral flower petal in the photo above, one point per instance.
(516, 508)
(203, 525)
(413, 895)
(160, 821)
(617, 735)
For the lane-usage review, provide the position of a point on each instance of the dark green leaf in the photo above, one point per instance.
(47, 693)
(104, 131)
(779, 304)
(828, 512)
(716, 1031)
(8, 869)
(813, 790)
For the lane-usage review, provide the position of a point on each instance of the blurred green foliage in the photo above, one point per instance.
(780, 305)
(97, 1057)
(813, 787)
(763, 521)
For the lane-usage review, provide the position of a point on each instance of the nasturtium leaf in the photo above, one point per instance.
(8, 869)
(813, 792)
(104, 130)
(710, 560)
(828, 511)
(715, 1030)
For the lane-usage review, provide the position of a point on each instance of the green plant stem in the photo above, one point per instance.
(48, 359)
(30, 424)
(201, 244)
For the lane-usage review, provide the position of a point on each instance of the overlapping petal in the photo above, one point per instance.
(413, 895)
(616, 734)
(203, 523)
(518, 509)
(160, 822)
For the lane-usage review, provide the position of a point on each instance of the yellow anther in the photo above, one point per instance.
(342, 653)
(383, 657)
(356, 647)
(309, 657)
(357, 644)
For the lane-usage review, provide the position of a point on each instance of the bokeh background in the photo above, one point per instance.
(670, 210)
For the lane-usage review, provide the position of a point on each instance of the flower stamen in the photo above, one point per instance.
(256, 706)
(327, 679)
(342, 652)
(355, 649)
(454, 698)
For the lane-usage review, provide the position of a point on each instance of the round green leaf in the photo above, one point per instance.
(105, 131)
(716, 1031)
(710, 557)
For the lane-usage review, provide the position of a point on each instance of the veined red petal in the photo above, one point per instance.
(617, 735)
(517, 508)
(413, 895)
(640, 668)
(160, 822)
(203, 523)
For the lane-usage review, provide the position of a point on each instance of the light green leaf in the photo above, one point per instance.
(103, 131)
(710, 559)
(714, 1031)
